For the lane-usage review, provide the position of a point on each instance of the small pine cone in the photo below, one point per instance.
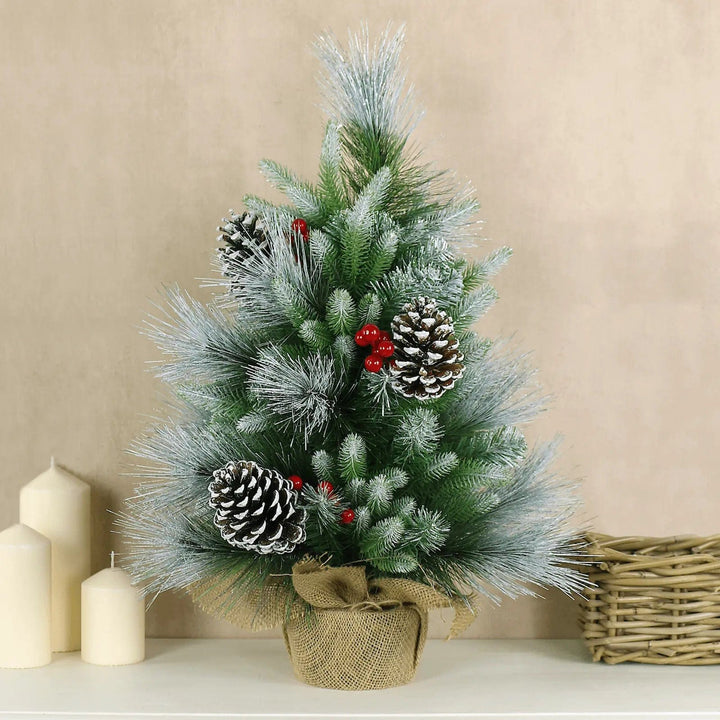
(256, 509)
(427, 360)
(243, 236)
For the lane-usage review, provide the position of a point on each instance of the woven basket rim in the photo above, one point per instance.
(633, 543)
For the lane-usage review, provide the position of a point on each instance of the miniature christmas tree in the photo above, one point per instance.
(334, 401)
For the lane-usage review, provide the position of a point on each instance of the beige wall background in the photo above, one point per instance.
(590, 130)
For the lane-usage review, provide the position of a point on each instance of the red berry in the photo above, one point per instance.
(372, 333)
(325, 486)
(373, 362)
(296, 481)
(385, 348)
(384, 335)
(360, 339)
(347, 516)
(300, 227)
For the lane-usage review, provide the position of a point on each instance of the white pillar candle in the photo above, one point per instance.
(24, 598)
(57, 504)
(113, 619)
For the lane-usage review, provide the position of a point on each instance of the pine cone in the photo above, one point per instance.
(244, 236)
(256, 509)
(427, 361)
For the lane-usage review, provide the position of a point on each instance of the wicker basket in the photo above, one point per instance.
(656, 600)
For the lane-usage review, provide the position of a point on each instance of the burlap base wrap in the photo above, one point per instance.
(357, 649)
(361, 634)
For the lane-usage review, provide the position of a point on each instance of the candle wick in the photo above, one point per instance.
(52, 461)
(112, 559)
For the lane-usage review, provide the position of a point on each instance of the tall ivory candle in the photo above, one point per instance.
(113, 619)
(24, 598)
(57, 504)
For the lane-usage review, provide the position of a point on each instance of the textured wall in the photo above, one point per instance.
(589, 128)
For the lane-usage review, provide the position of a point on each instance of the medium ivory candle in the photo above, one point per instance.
(57, 504)
(113, 619)
(24, 598)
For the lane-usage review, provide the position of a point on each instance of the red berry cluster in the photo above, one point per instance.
(300, 227)
(346, 516)
(380, 342)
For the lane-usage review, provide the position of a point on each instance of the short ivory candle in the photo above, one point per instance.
(113, 619)
(57, 504)
(24, 598)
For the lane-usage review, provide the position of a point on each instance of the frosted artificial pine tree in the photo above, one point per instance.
(339, 373)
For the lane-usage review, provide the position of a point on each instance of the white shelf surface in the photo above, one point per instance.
(184, 679)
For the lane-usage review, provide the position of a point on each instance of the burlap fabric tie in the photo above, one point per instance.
(364, 634)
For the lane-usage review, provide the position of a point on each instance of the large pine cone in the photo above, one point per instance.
(243, 236)
(427, 360)
(256, 509)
